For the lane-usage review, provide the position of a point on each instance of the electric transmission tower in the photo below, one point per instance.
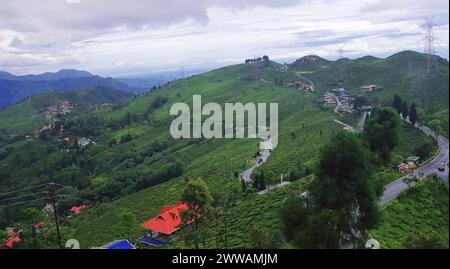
(429, 40)
(429, 50)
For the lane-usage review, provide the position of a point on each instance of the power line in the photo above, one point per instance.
(21, 196)
(24, 202)
(24, 189)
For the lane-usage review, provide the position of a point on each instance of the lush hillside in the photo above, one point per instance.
(404, 74)
(417, 216)
(25, 116)
(15, 88)
(136, 166)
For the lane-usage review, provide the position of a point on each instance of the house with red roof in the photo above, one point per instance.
(167, 223)
(39, 228)
(168, 220)
(11, 241)
(77, 209)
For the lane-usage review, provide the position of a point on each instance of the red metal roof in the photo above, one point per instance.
(77, 208)
(39, 224)
(11, 241)
(168, 220)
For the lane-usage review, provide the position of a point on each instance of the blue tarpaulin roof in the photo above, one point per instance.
(119, 244)
(151, 241)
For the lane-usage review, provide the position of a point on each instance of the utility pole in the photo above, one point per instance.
(52, 200)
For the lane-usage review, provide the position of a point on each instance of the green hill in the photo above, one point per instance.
(424, 214)
(136, 166)
(25, 117)
(403, 73)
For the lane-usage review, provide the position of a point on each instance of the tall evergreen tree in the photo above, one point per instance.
(197, 197)
(405, 111)
(342, 200)
(397, 103)
(413, 114)
(381, 133)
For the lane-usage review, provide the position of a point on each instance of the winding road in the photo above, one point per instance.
(264, 154)
(361, 123)
(394, 188)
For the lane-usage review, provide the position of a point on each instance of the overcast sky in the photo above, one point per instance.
(133, 37)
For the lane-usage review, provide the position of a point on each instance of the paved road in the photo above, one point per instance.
(360, 125)
(308, 80)
(361, 122)
(394, 188)
(338, 105)
(272, 187)
(345, 125)
(262, 159)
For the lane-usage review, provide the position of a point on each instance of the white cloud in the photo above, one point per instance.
(113, 37)
(73, 1)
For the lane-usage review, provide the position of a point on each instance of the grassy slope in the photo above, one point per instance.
(24, 117)
(401, 73)
(21, 117)
(210, 159)
(422, 210)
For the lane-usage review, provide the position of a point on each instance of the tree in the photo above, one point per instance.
(381, 133)
(293, 135)
(223, 204)
(410, 181)
(397, 103)
(262, 181)
(341, 203)
(359, 101)
(256, 181)
(436, 126)
(243, 186)
(32, 215)
(3, 235)
(424, 149)
(421, 114)
(404, 110)
(127, 224)
(197, 197)
(263, 239)
(413, 114)
(126, 138)
(345, 166)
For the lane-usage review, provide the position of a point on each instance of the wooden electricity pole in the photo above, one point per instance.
(52, 200)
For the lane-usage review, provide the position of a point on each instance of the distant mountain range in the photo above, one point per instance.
(15, 88)
(149, 80)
